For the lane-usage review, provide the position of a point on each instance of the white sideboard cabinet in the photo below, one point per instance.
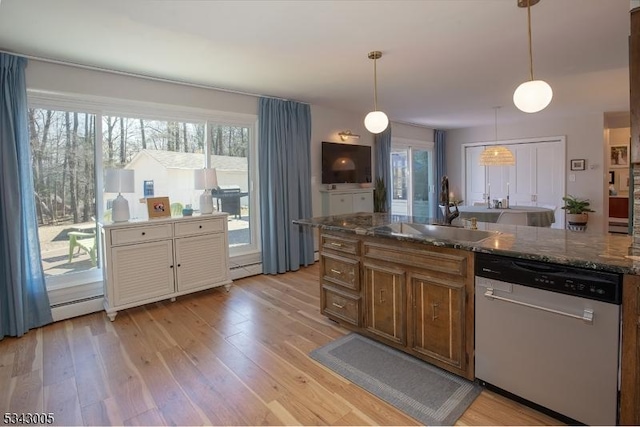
(338, 202)
(147, 261)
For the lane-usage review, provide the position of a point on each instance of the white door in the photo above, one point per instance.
(412, 178)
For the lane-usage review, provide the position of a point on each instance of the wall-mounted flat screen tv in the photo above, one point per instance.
(345, 163)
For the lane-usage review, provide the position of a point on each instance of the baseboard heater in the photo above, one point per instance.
(77, 301)
(238, 267)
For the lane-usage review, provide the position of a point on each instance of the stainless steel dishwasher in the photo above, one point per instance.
(549, 334)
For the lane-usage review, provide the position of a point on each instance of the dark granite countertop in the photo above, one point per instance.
(592, 250)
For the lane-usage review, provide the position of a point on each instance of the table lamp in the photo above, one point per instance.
(119, 181)
(205, 179)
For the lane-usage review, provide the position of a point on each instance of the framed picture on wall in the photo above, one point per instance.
(578, 164)
(612, 177)
(618, 156)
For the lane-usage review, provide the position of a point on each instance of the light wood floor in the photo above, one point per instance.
(216, 358)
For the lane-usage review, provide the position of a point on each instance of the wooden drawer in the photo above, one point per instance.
(189, 228)
(452, 261)
(341, 271)
(141, 234)
(340, 244)
(341, 305)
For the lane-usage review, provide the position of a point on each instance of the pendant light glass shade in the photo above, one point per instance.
(533, 95)
(497, 155)
(376, 121)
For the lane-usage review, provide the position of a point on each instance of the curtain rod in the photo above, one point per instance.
(142, 76)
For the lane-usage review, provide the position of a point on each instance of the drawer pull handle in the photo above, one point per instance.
(337, 244)
(178, 265)
(333, 270)
(143, 233)
(200, 226)
(434, 310)
(335, 304)
(381, 296)
(171, 266)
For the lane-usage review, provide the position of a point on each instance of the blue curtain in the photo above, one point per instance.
(24, 303)
(382, 143)
(439, 137)
(284, 161)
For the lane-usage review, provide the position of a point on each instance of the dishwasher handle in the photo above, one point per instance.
(587, 316)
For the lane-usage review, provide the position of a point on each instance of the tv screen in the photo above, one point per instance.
(345, 163)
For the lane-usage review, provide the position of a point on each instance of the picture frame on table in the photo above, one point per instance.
(158, 207)
(578, 164)
(619, 156)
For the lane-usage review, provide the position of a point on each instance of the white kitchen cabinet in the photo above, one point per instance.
(338, 202)
(147, 261)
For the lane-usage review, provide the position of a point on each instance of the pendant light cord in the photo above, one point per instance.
(496, 122)
(530, 48)
(375, 85)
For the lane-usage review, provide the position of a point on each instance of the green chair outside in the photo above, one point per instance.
(176, 209)
(83, 241)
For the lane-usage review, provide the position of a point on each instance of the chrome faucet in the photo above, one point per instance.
(446, 203)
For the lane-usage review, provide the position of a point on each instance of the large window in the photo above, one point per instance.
(63, 148)
(73, 146)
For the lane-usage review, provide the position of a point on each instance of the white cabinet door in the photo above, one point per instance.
(201, 261)
(363, 202)
(142, 271)
(549, 182)
(523, 177)
(475, 176)
(340, 203)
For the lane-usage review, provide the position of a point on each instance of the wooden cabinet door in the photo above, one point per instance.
(630, 372)
(437, 321)
(141, 272)
(201, 261)
(385, 302)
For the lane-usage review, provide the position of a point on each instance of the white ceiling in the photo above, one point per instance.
(445, 63)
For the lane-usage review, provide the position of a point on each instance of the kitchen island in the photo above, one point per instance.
(410, 285)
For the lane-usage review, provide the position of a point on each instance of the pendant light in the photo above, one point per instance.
(533, 95)
(497, 155)
(376, 121)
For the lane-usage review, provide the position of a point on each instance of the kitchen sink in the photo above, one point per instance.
(438, 232)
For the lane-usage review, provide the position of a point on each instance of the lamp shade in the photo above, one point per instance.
(497, 155)
(205, 179)
(376, 121)
(119, 181)
(533, 96)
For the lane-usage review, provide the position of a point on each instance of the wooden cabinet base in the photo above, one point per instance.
(413, 297)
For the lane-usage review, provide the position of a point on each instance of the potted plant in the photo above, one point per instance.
(380, 196)
(577, 210)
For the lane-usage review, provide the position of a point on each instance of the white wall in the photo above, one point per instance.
(585, 140)
(326, 122)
